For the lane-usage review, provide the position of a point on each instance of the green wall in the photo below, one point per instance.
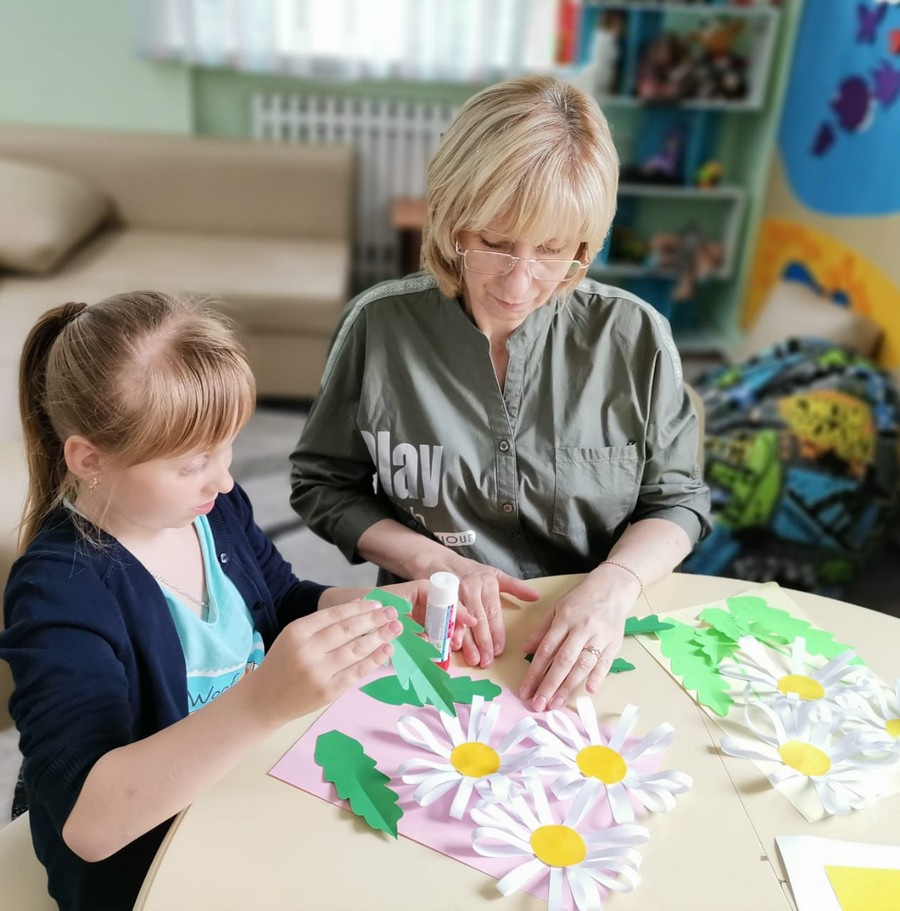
(72, 62)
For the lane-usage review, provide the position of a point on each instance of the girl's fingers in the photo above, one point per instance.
(346, 622)
(347, 676)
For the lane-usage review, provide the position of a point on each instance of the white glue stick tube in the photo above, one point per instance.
(440, 614)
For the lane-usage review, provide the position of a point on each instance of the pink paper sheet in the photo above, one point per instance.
(373, 724)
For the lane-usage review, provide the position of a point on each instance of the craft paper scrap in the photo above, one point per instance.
(809, 859)
(355, 777)
(413, 657)
(374, 725)
(863, 889)
(759, 648)
(462, 689)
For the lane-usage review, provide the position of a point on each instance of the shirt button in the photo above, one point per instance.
(223, 558)
(504, 445)
(507, 507)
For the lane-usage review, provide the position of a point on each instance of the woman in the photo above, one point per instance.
(519, 420)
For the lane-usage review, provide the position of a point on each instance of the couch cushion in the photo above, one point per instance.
(45, 213)
(264, 283)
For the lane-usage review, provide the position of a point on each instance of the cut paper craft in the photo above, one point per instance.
(698, 674)
(701, 634)
(772, 677)
(356, 779)
(588, 761)
(464, 762)
(636, 626)
(462, 689)
(413, 657)
(619, 665)
(585, 862)
(800, 746)
(864, 889)
(808, 858)
(374, 724)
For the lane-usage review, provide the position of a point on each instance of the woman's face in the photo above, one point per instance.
(500, 303)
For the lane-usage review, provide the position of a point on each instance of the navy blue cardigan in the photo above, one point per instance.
(98, 664)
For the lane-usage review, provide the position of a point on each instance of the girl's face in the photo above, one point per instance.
(162, 493)
(500, 303)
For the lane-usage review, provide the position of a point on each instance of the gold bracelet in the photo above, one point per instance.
(640, 581)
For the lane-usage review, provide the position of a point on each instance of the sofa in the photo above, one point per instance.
(264, 229)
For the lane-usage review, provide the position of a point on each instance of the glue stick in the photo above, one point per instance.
(440, 614)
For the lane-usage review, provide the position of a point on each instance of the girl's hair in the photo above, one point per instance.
(143, 375)
(536, 153)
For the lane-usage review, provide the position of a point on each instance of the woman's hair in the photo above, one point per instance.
(535, 153)
(143, 375)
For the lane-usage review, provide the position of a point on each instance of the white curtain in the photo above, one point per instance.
(452, 40)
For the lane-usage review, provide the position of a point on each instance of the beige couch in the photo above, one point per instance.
(264, 228)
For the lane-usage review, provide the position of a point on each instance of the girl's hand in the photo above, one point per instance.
(315, 658)
(574, 644)
(417, 594)
(480, 591)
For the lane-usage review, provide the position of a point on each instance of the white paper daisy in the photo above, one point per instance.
(590, 863)
(875, 708)
(466, 760)
(775, 678)
(586, 756)
(806, 746)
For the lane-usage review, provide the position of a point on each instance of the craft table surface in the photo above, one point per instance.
(253, 841)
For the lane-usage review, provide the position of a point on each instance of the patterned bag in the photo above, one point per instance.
(801, 459)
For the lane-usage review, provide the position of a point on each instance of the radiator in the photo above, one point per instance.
(394, 141)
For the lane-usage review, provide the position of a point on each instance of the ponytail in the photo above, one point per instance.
(47, 471)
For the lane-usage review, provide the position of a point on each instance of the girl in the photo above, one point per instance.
(146, 591)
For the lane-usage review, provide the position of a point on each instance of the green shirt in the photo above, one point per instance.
(592, 430)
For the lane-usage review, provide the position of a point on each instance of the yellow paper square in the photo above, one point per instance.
(865, 888)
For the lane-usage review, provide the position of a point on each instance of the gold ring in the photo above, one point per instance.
(596, 652)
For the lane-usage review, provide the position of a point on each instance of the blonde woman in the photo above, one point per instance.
(519, 420)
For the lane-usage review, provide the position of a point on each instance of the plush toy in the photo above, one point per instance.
(663, 166)
(687, 257)
(664, 70)
(709, 174)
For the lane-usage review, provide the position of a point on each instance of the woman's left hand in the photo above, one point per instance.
(417, 594)
(574, 644)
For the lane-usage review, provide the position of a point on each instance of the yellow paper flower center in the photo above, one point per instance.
(804, 757)
(803, 686)
(558, 846)
(475, 759)
(601, 762)
(892, 726)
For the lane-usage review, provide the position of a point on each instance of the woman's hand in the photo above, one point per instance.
(575, 643)
(479, 591)
(315, 658)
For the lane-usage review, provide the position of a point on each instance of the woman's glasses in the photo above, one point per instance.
(485, 262)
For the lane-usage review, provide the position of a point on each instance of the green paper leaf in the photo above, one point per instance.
(357, 779)
(714, 644)
(620, 665)
(697, 672)
(725, 622)
(413, 658)
(777, 627)
(634, 626)
(463, 689)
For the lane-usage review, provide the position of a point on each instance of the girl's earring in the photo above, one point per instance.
(92, 484)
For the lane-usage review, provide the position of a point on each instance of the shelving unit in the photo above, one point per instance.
(669, 120)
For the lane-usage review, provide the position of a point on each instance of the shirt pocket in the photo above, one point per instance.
(596, 488)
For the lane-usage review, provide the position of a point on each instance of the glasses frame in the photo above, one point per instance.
(513, 261)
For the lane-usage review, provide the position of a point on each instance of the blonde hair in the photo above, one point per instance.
(142, 375)
(535, 152)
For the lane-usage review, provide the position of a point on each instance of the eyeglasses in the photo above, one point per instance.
(484, 262)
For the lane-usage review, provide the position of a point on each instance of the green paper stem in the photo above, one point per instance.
(697, 671)
(413, 658)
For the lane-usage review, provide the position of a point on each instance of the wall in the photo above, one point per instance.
(72, 62)
(832, 212)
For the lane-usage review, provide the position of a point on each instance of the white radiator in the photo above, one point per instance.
(394, 141)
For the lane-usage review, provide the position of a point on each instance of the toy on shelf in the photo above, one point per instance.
(664, 71)
(719, 72)
(709, 174)
(687, 257)
(627, 246)
(663, 166)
